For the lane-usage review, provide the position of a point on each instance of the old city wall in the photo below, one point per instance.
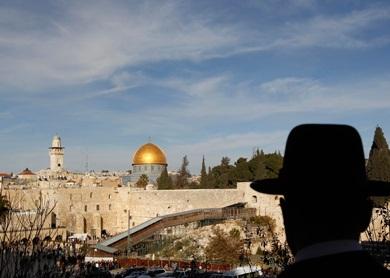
(145, 205)
(93, 209)
(265, 204)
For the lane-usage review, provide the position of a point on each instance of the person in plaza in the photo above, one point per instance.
(325, 202)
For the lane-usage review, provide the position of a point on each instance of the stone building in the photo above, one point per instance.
(149, 160)
(99, 204)
(56, 153)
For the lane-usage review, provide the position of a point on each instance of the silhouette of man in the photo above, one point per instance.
(325, 202)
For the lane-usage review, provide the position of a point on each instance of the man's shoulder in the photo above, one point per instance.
(346, 264)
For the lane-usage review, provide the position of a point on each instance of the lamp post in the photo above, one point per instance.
(128, 233)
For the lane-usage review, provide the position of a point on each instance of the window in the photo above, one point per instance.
(109, 207)
(97, 207)
(70, 196)
(70, 208)
(254, 199)
(85, 208)
(90, 195)
(109, 196)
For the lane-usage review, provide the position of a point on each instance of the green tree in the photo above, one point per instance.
(273, 163)
(203, 175)
(164, 181)
(224, 247)
(378, 165)
(184, 174)
(242, 172)
(142, 181)
(210, 179)
(257, 165)
(223, 174)
(225, 161)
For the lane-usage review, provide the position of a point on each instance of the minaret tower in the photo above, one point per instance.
(56, 153)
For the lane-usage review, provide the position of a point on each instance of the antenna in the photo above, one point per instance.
(149, 139)
(86, 162)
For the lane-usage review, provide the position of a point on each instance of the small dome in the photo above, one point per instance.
(149, 154)
(26, 172)
(56, 142)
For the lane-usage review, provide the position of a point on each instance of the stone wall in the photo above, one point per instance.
(146, 204)
(93, 209)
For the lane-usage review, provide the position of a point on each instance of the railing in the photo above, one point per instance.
(180, 264)
(182, 218)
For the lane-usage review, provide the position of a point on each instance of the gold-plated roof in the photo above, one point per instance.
(149, 154)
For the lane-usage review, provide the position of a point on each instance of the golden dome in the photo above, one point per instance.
(149, 154)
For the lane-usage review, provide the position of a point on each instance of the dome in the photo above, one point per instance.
(56, 142)
(149, 154)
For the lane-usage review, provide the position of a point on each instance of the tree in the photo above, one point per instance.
(378, 168)
(242, 172)
(257, 165)
(224, 247)
(273, 163)
(378, 165)
(164, 181)
(223, 174)
(4, 207)
(225, 161)
(142, 181)
(23, 253)
(203, 175)
(184, 174)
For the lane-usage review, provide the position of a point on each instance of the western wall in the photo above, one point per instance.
(94, 209)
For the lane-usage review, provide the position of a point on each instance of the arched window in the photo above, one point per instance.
(254, 199)
(53, 220)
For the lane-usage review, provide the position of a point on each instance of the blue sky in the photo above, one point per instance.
(213, 78)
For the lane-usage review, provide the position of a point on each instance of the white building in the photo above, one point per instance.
(56, 153)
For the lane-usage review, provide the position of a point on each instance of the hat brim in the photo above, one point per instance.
(268, 186)
(276, 187)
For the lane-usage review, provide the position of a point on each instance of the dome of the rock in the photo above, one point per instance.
(149, 154)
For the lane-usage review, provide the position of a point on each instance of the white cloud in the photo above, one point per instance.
(203, 87)
(92, 42)
(339, 31)
(290, 87)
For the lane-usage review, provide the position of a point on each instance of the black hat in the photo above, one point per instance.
(323, 159)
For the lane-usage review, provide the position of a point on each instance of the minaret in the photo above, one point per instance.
(56, 153)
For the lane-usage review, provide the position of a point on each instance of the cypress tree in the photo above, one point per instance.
(203, 175)
(184, 174)
(164, 181)
(378, 165)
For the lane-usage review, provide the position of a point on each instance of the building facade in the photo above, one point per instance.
(56, 154)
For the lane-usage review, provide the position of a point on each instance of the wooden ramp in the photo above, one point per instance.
(149, 228)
